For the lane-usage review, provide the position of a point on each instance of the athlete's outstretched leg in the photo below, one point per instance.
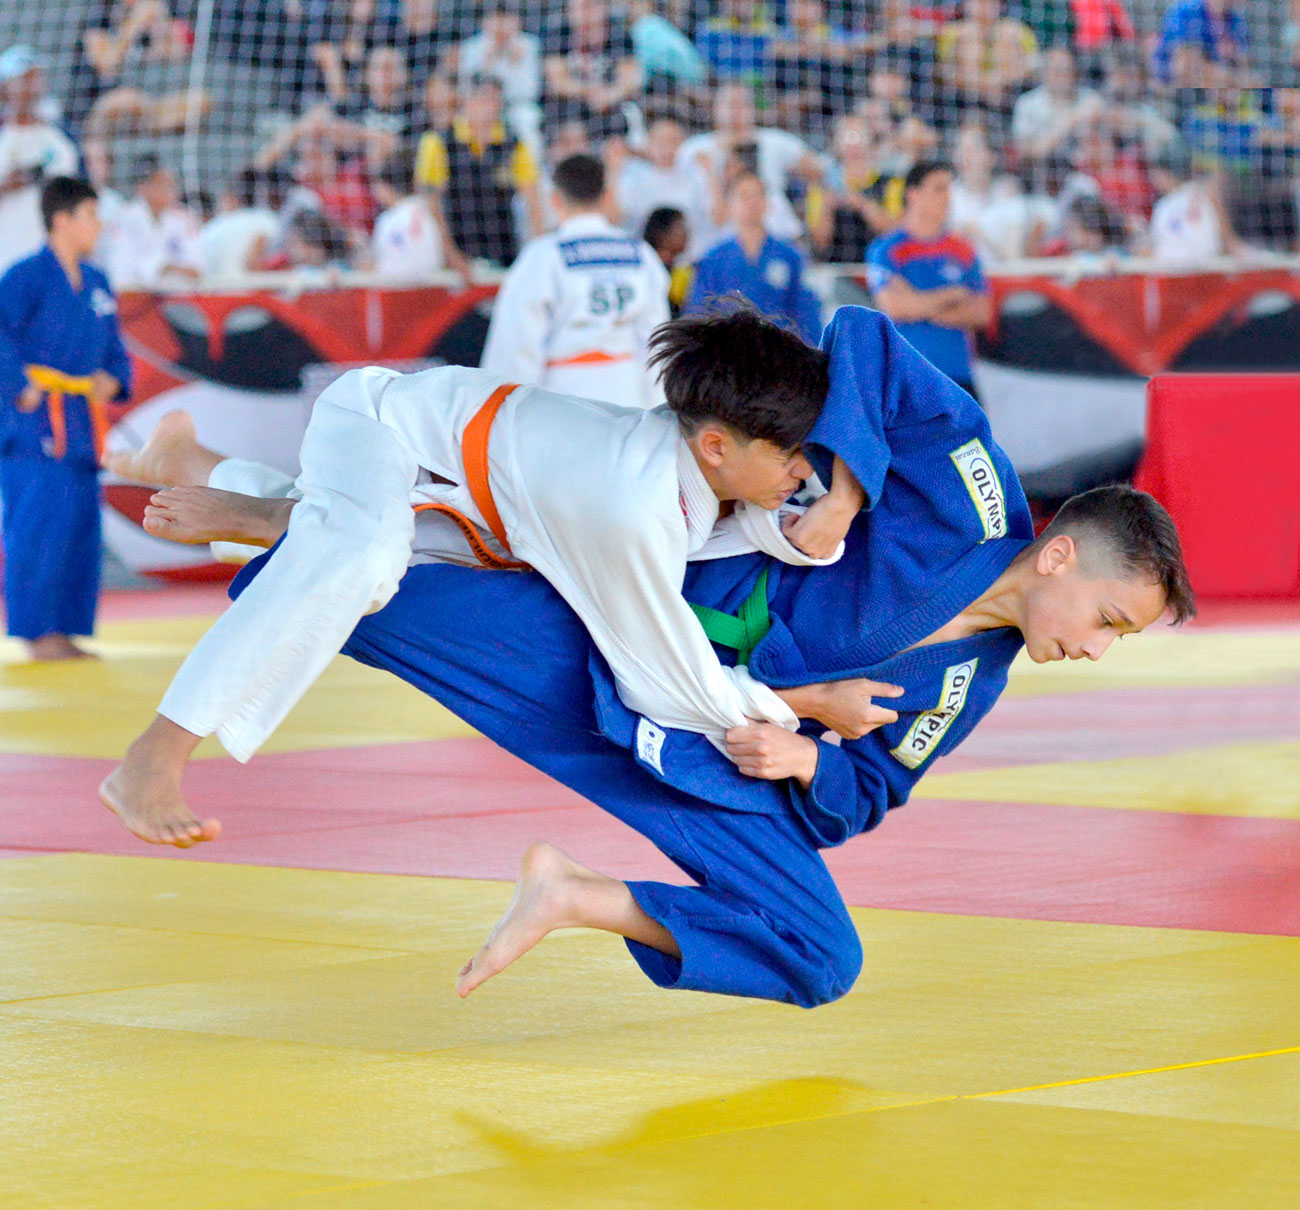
(555, 892)
(345, 551)
(206, 514)
(172, 457)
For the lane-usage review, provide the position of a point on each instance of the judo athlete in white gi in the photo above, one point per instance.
(62, 363)
(383, 449)
(576, 310)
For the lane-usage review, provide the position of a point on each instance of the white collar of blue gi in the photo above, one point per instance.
(699, 504)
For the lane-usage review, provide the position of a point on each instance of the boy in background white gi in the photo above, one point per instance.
(576, 310)
(607, 503)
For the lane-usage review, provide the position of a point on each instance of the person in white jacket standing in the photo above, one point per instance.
(575, 312)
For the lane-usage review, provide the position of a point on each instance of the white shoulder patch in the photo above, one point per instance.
(981, 478)
(925, 733)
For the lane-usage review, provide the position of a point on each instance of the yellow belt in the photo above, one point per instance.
(57, 385)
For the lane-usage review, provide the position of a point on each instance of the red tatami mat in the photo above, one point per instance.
(463, 808)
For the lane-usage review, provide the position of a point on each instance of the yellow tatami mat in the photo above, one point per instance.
(180, 1035)
(96, 708)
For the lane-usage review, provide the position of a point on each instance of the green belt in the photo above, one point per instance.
(743, 630)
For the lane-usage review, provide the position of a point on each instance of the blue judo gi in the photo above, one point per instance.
(774, 283)
(51, 525)
(945, 517)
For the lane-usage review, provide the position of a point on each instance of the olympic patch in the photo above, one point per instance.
(981, 478)
(924, 734)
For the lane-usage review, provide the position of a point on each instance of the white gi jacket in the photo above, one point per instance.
(614, 540)
(575, 312)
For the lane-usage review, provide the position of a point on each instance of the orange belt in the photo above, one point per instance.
(595, 358)
(56, 386)
(474, 454)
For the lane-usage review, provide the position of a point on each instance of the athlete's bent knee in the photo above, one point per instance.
(839, 969)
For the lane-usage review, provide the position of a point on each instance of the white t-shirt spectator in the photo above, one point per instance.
(1038, 114)
(29, 148)
(1000, 222)
(227, 241)
(778, 153)
(642, 187)
(110, 206)
(406, 244)
(1185, 226)
(518, 69)
(141, 245)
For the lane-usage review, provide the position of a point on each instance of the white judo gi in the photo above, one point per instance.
(607, 503)
(575, 312)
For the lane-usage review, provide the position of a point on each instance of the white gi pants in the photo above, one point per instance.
(347, 547)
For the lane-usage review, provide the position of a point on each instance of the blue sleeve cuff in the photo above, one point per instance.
(834, 806)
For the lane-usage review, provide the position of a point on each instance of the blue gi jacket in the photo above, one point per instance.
(43, 321)
(945, 517)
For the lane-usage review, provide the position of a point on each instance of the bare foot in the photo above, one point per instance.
(149, 803)
(204, 514)
(542, 903)
(172, 457)
(57, 647)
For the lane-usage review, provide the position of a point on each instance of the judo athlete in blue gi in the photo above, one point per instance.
(61, 363)
(941, 585)
(758, 266)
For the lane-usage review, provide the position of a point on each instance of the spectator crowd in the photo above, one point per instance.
(411, 136)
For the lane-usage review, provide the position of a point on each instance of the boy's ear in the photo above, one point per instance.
(713, 443)
(1058, 556)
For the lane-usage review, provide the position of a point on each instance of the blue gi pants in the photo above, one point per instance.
(507, 654)
(51, 543)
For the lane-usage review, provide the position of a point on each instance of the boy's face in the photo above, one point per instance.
(755, 471)
(80, 227)
(1072, 613)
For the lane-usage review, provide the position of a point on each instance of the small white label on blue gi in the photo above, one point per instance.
(102, 302)
(650, 744)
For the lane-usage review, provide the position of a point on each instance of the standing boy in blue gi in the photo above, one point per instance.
(756, 265)
(62, 363)
(928, 279)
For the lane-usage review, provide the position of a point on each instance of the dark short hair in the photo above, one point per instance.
(660, 221)
(245, 186)
(1176, 159)
(398, 171)
(580, 179)
(917, 174)
(733, 365)
(1140, 537)
(145, 167)
(316, 229)
(63, 194)
(1093, 215)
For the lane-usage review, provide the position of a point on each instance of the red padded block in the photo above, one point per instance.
(1223, 456)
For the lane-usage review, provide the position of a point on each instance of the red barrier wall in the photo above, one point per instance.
(1223, 455)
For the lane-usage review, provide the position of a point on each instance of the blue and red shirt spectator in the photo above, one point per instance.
(926, 265)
